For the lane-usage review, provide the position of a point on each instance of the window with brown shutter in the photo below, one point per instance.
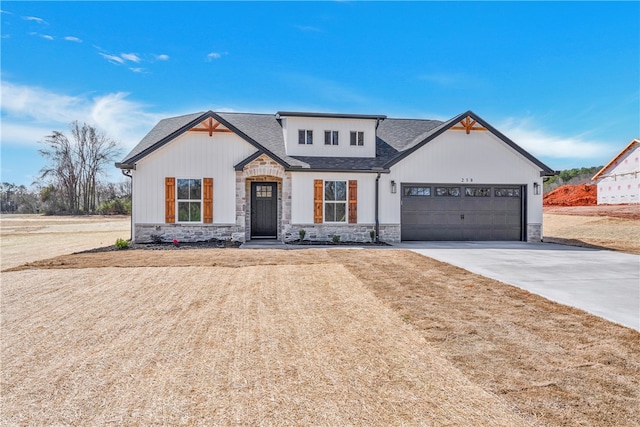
(318, 197)
(208, 199)
(170, 200)
(353, 201)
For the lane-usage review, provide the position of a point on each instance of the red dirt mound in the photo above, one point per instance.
(572, 195)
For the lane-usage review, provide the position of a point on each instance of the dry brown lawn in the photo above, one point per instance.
(304, 337)
(612, 227)
(26, 238)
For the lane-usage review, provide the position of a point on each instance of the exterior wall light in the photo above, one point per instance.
(536, 188)
(393, 187)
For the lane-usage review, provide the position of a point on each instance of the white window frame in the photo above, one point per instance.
(331, 136)
(356, 138)
(344, 202)
(308, 136)
(200, 201)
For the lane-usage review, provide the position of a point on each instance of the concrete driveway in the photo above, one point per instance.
(601, 282)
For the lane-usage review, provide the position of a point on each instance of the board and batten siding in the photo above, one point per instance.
(291, 125)
(302, 195)
(191, 155)
(457, 158)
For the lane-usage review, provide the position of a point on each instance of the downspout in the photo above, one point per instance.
(377, 203)
(127, 173)
(377, 227)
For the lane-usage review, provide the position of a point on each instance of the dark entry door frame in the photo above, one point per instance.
(264, 210)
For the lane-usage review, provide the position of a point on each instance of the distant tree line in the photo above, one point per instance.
(574, 176)
(72, 180)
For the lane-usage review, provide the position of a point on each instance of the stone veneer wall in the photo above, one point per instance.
(262, 169)
(347, 232)
(148, 233)
(534, 232)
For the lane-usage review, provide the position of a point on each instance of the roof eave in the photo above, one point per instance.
(620, 154)
(170, 137)
(280, 114)
(338, 170)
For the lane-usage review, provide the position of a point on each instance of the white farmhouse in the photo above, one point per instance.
(619, 181)
(250, 176)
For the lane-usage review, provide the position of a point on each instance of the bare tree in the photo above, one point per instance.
(75, 165)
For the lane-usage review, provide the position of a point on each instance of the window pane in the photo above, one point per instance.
(335, 137)
(329, 190)
(309, 137)
(417, 191)
(353, 138)
(183, 189)
(183, 211)
(477, 192)
(194, 211)
(301, 136)
(195, 189)
(327, 137)
(341, 190)
(360, 138)
(448, 191)
(330, 212)
(341, 212)
(507, 192)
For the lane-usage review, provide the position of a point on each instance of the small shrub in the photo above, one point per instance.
(122, 244)
(336, 238)
(302, 233)
(372, 234)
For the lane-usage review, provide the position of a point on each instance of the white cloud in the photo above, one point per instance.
(130, 57)
(162, 57)
(24, 134)
(30, 113)
(213, 55)
(6, 11)
(73, 39)
(527, 134)
(34, 19)
(46, 36)
(112, 58)
(137, 69)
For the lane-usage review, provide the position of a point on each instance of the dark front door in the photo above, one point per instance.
(264, 209)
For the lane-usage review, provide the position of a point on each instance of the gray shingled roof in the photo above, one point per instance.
(164, 129)
(396, 138)
(265, 130)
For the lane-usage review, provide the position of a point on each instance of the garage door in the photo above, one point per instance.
(462, 212)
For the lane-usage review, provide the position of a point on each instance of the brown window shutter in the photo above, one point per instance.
(170, 200)
(208, 200)
(353, 201)
(318, 197)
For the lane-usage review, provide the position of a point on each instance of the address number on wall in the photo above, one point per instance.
(467, 180)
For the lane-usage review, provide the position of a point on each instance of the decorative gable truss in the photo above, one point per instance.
(468, 124)
(211, 126)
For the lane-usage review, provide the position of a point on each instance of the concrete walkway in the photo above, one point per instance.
(601, 282)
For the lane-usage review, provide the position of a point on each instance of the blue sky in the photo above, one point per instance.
(560, 79)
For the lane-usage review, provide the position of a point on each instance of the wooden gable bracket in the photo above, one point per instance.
(209, 126)
(468, 124)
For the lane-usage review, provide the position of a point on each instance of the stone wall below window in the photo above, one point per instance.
(360, 233)
(148, 233)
